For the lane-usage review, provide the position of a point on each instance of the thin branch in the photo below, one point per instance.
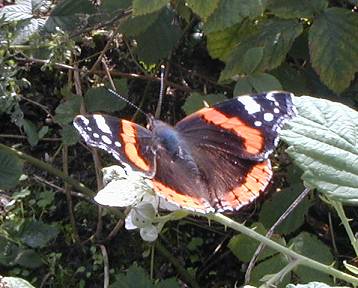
(25, 137)
(105, 266)
(68, 194)
(269, 233)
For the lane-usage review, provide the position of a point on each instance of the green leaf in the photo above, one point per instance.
(70, 15)
(274, 207)
(331, 40)
(232, 12)
(31, 132)
(203, 8)
(136, 277)
(244, 247)
(37, 234)
(263, 82)
(42, 132)
(15, 282)
(310, 246)
(323, 143)
(99, 99)
(134, 26)
(29, 259)
(8, 252)
(197, 101)
(266, 268)
(243, 86)
(274, 35)
(256, 83)
(69, 135)
(296, 8)
(66, 111)
(159, 39)
(141, 7)
(10, 170)
(252, 59)
(293, 80)
(221, 43)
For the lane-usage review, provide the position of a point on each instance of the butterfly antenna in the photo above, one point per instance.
(126, 100)
(160, 100)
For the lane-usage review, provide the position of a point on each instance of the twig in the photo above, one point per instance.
(24, 137)
(145, 77)
(104, 50)
(118, 225)
(96, 159)
(331, 231)
(305, 261)
(41, 61)
(73, 193)
(108, 73)
(50, 169)
(105, 266)
(269, 233)
(68, 194)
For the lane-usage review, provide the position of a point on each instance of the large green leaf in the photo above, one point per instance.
(159, 39)
(333, 42)
(203, 8)
(37, 234)
(141, 7)
(66, 111)
(101, 100)
(10, 170)
(310, 246)
(231, 12)
(275, 36)
(256, 83)
(323, 141)
(134, 26)
(296, 8)
(221, 43)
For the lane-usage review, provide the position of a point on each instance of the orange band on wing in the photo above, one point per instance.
(253, 184)
(129, 139)
(253, 138)
(184, 201)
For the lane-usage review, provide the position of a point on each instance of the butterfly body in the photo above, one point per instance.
(215, 159)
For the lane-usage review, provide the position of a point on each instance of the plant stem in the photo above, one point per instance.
(50, 169)
(342, 215)
(305, 261)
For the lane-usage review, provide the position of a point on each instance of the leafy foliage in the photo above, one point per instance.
(55, 58)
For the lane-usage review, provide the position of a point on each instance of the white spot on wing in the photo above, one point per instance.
(95, 135)
(276, 110)
(106, 140)
(270, 96)
(268, 117)
(83, 119)
(117, 144)
(257, 123)
(101, 123)
(89, 128)
(250, 104)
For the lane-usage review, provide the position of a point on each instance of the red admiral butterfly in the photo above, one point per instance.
(215, 159)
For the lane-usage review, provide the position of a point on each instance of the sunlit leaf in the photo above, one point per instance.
(323, 143)
(331, 40)
(203, 8)
(10, 170)
(296, 8)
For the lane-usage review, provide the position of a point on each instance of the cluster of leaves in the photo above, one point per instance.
(218, 49)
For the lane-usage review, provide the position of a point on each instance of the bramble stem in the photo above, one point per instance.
(305, 261)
